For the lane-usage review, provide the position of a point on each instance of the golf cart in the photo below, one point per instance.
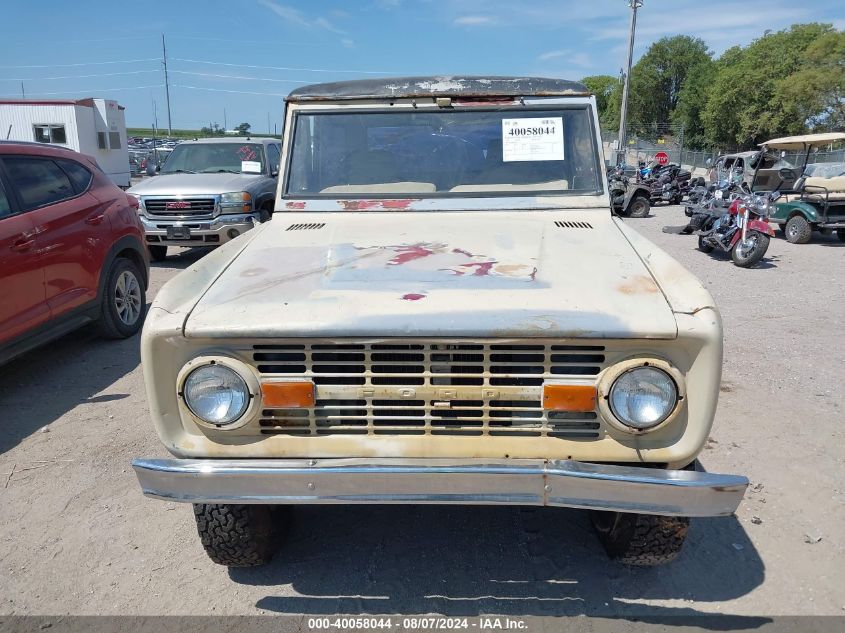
(812, 202)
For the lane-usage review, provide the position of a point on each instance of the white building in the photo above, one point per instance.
(96, 127)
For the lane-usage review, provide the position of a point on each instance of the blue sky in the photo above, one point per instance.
(219, 50)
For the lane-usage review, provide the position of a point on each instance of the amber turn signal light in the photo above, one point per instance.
(575, 398)
(288, 395)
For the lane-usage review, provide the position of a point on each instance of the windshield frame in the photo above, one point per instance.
(518, 105)
(261, 149)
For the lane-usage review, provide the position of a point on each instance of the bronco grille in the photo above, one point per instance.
(179, 206)
(428, 388)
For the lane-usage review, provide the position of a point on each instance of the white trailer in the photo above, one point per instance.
(96, 127)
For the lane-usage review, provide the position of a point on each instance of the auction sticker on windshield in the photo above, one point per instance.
(532, 139)
(251, 166)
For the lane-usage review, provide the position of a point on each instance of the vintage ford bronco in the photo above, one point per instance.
(445, 312)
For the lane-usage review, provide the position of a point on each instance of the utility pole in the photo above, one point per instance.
(623, 115)
(225, 125)
(268, 124)
(23, 93)
(166, 85)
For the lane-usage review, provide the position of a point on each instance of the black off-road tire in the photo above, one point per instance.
(704, 248)
(840, 233)
(158, 252)
(110, 324)
(644, 540)
(639, 207)
(798, 230)
(265, 213)
(241, 535)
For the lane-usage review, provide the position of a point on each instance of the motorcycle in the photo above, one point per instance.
(667, 183)
(743, 231)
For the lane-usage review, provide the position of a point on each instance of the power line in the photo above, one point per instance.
(290, 81)
(240, 92)
(128, 72)
(96, 90)
(124, 61)
(308, 70)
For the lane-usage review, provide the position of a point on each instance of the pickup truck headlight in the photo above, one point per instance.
(240, 200)
(216, 394)
(643, 397)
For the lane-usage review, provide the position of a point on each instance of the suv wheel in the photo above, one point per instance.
(241, 535)
(640, 539)
(158, 252)
(264, 214)
(798, 230)
(124, 301)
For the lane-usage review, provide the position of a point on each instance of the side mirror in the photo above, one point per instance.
(274, 173)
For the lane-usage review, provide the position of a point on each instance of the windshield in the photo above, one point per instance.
(458, 152)
(206, 158)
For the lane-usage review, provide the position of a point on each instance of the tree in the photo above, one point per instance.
(243, 128)
(659, 76)
(756, 94)
(817, 90)
(692, 100)
(604, 87)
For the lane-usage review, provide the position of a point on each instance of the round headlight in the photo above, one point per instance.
(216, 394)
(643, 397)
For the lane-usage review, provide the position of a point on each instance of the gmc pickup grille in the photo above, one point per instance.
(428, 388)
(179, 206)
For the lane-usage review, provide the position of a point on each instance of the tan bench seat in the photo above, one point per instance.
(815, 186)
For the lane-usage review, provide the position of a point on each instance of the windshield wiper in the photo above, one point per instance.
(179, 171)
(221, 171)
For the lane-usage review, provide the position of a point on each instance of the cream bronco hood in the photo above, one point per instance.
(465, 274)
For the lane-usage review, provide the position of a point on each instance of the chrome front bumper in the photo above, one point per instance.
(441, 481)
(216, 229)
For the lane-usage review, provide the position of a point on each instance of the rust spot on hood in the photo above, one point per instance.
(638, 285)
(376, 205)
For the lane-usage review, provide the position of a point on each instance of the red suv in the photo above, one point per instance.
(71, 249)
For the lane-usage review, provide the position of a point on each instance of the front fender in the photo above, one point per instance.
(785, 210)
(633, 191)
(761, 227)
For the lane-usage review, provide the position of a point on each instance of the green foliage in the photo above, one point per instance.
(747, 101)
(783, 83)
(658, 78)
(243, 128)
(607, 90)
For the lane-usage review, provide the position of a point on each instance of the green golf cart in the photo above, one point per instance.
(810, 202)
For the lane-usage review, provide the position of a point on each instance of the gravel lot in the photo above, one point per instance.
(77, 537)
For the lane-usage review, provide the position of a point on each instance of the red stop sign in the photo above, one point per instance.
(662, 158)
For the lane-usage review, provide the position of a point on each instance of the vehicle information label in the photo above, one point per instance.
(251, 166)
(532, 139)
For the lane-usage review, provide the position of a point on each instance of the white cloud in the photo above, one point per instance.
(474, 20)
(581, 60)
(299, 18)
(552, 55)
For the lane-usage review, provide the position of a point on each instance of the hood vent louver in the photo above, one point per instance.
(573, 225)
(313, 226)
